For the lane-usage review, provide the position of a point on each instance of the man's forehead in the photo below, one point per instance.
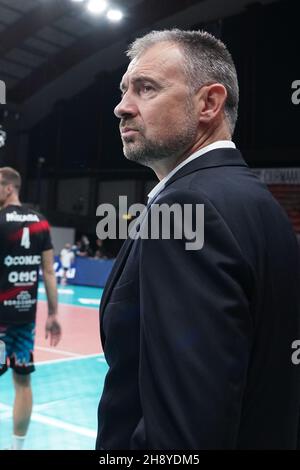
(157, 60)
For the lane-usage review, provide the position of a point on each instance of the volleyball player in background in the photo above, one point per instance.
(25, 244)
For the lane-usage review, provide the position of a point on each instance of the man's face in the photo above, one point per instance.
(157, 111)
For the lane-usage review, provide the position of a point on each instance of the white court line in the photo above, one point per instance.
(87, 301)
(42, 290)
(4, 407)
(7, 411)
(54, 361)
(81, 300)
(57, 351)
(47, 405)
(63, 425)
(57, 423)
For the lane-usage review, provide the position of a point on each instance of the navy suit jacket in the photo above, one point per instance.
(199, 343)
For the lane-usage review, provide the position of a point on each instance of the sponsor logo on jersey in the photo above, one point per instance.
(15, 217)
(23, 301)
(16, 278)
(30, 260)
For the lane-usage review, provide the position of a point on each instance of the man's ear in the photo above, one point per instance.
(10, 189)
(211, 100)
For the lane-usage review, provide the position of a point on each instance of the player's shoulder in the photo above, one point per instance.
(35, 213)
(30, 211)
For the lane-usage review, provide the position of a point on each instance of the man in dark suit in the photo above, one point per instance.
(198, 341)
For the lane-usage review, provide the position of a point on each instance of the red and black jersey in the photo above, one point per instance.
(24, 235)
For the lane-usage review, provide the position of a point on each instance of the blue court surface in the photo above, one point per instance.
(66, 391)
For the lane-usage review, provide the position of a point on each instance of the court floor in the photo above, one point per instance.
(68, 379)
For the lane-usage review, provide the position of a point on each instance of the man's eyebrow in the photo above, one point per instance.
(138, 79)
(144, 78)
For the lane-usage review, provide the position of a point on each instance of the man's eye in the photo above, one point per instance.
(146, 88)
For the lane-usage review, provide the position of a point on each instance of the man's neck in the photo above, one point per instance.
(12, 201)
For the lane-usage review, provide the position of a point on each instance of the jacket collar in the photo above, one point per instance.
(212, 159)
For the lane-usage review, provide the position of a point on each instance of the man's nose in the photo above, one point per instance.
(126, 107)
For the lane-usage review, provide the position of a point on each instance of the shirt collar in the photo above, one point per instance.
(215, 145)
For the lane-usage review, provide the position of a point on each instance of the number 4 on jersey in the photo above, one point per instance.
(25, 238)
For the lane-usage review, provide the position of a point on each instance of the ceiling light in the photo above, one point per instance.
(114, 15)
(97, 6)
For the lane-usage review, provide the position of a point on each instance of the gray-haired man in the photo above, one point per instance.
(198, 343)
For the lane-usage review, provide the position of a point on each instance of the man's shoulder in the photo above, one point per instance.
(228, 191)
(27, 209)
(236, 182)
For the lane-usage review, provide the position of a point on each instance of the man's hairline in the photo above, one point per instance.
(166, 81)
(184, 66)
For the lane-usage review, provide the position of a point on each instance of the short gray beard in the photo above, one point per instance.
(150, 151)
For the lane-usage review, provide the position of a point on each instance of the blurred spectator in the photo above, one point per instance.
(84, 248)
(100, 252)
(66, 258)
